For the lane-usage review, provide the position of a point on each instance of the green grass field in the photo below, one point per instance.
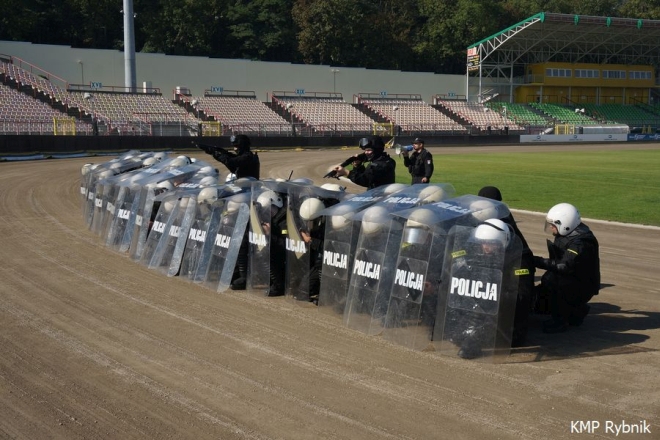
(619, 186)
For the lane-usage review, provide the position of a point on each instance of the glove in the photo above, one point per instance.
(540, 262)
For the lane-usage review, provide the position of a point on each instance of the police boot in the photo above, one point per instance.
(240, 283)
(276, 283)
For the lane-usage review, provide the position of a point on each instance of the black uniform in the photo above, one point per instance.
(381, 168)
(526, 273)
(420, 165)
(243, 163)
(278, 235)
(572, 275)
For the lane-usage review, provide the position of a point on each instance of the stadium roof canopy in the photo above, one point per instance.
(549, 37)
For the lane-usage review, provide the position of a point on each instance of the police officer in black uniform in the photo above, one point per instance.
(419, 163)
(380, 168)
(526, 279)
(572, 274)
(242, 162)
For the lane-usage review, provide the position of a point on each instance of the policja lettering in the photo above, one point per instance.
(258, 239)
(295, 246)
(367, 269)
(197, 235)
(410, 280)
(335, 259)
(174, 231)
(159, 227)
(222, 241)
(473, 288)
(124, 214)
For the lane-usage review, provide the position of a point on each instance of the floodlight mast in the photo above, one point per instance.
(130, 81)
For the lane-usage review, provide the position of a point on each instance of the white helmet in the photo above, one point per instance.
(230, 177)
(160, 156)
(165, 185)
(483, 209)
(565, 217)
(169, 205)
(245, 179)
(338, 218)
(432, 194)
(86, 169)
(206, 170)
(208, 181)
(106, 174)
(303, 180)
(207, 195)
(116, 165)
(180, 161)
(493, 230)
(310, 208)
(394, 187)
(268, 198)
(235, 202)
(149, 161)
(333, 187)
(375, 219)
(418, 225)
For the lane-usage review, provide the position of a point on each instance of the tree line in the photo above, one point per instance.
(409, 35)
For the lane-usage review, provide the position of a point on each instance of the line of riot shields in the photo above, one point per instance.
(405, 262)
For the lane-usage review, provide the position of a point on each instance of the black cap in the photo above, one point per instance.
(490, 192)
(418, 141)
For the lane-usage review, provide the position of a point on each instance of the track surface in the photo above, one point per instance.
(95, 346)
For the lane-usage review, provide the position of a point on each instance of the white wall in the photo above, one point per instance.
(200, 73)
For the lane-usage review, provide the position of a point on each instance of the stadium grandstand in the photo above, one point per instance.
(549, 70)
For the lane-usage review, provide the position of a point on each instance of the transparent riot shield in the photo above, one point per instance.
(100, 181)
(305, 237)
(226, 232)
(341, 235)
(198, 210)
(123, 216)
(168, 210)
(267, 257)
(167, 255)
(376, 255)
(149, 203)
(477, 296)
(205, 222)
(412, 309)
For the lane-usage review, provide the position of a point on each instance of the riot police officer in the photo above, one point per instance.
(242, 162)
(572, 274)
(381, 166)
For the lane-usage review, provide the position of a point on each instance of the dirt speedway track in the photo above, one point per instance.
(96, 346)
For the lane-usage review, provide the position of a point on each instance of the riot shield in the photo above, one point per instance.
(412, 309)
(304, 242)
(100, 183)
(376, 254)
(477, 296)
(341, 235)
(149, 203)
(197, 211)
(123, 216)
(266, 250)
(166, 257)
(168, 211)
(226, 231)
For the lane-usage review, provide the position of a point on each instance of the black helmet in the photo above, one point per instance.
(241, 141)
(372, 142)
(418, 141)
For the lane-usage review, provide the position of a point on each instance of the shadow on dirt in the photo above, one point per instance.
(605, 331)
